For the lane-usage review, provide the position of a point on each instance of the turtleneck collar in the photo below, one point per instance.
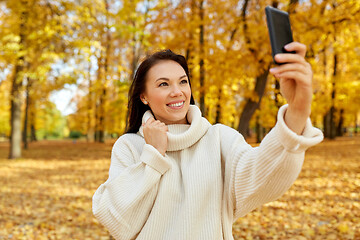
(181, 136)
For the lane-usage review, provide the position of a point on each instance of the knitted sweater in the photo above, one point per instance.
(207, 179)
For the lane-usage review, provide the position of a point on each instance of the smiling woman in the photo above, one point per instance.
(167, 92)
(173, 175)
(161, 73)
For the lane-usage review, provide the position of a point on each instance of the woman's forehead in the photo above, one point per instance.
(166, 69)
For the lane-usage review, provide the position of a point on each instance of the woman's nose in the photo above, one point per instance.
(176, 91)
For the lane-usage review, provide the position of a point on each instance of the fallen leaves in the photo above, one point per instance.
(323, 203)
(50, 198)
(48, 195)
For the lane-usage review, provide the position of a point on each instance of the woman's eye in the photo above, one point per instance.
(163, 84)
(184, 81)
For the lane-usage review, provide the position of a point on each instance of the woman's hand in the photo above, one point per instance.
(295, 85)
(155, 134)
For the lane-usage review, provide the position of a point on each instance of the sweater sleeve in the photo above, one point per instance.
(122, 204)
(262, 174)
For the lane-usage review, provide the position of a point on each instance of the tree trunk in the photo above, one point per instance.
(189, 50)
(98, 86)
(90, 129)
(233, 32)
(292, 5)
(339, 129)
(218, 107)
(251, 105)
(97, 132)
(332, 123)
(277, 95)
(260, 85)
(201, 62)
(32, 130)
(102, 131)
(327, 125)
(333, 96)
(277, 83)
(25, 127)
(189, 56)
(15, 101)
(259, 130)
(134, 61)
(102, 122)
(32, 109)
(15, 120)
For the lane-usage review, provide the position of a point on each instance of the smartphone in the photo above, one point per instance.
(279, 27)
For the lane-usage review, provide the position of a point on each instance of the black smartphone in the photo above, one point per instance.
(279, 27)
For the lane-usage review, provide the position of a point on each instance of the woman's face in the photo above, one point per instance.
(167, 92)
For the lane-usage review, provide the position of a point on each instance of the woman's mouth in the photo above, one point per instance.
(177, 105)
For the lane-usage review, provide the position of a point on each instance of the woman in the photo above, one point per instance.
(173, 175)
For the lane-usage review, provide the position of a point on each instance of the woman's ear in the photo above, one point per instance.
(142, 98)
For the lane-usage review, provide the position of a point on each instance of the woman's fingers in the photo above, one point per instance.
(159, 124)
(299, 48)
(151, 122)
(294, 75)
(289, 58)
(290, 67)
(298, 57)
(155, 134)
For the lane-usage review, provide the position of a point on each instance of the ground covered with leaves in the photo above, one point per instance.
(47, 194)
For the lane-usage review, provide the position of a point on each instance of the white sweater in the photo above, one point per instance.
(208, 178)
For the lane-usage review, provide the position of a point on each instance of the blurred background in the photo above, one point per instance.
(66, 67)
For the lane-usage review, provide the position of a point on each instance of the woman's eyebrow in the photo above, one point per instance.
(166, 79)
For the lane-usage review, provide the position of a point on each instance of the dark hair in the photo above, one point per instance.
(136, 107)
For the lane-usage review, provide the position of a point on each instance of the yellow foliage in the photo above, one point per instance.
(343, 228)
(71, 42)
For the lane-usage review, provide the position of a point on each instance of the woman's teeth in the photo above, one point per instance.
(176, 104)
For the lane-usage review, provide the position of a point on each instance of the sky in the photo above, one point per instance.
(62, 99)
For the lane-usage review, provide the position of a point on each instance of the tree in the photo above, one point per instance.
(263, 64)
(21, 11)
